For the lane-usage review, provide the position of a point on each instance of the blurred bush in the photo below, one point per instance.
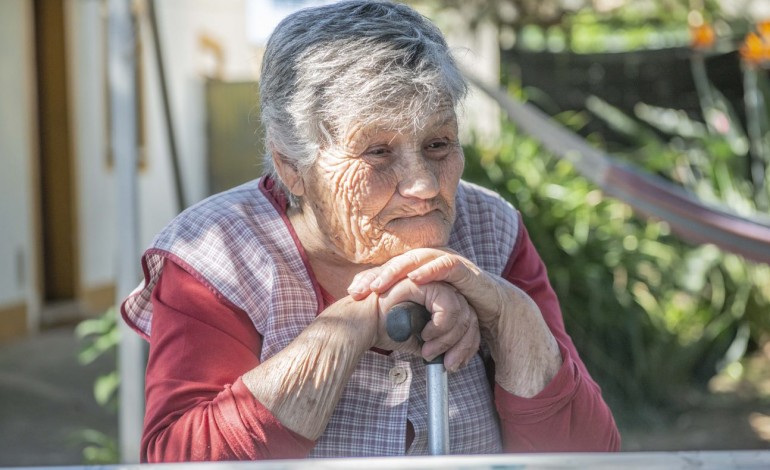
(653, 317)
(100, 337)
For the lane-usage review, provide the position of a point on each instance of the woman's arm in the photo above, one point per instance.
(210, 398)
(302, 384)
(197, 407)
(569, 414)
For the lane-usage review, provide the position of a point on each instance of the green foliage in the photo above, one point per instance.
(100, 336)
(585, 26)
(712, 160)
(652, 316)
(589, 32)
(100, 449)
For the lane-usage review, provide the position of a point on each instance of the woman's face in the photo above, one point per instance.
(382, 192)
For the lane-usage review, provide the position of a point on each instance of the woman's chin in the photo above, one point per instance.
(402, 241)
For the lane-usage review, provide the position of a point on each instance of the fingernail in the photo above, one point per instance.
(355, 286)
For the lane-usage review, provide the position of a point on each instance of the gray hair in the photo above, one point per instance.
(350, 63)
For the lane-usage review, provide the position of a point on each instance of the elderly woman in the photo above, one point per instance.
(264, 305)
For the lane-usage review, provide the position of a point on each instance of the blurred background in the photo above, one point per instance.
(675, 331)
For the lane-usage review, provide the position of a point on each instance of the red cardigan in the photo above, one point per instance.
(199, 409)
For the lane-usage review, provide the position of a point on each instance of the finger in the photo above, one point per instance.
(480, 289)
(459, 355)
(447, 268)
(451, 318)
(359, 287)
(443, 322)
(458, 345)
(399, 266)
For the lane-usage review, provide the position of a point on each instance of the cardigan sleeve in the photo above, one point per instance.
(197, 407)
(569, 414)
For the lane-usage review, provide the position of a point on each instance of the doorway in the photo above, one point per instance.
(58, 217)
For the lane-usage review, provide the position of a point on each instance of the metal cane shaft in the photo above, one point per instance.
(438, 410)
(403, 321)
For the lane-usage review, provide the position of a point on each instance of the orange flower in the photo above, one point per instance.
(756, 49)
(763, 27)
(702, 36)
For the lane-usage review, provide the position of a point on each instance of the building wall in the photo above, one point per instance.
(94, 171)
(18, 285)
(183, 25)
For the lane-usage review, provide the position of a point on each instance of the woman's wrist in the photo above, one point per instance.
(525, 352)
(301, 384)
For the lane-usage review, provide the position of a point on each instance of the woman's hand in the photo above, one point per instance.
(302, 383)
(453, 329)
(525, 352)
(424, 265)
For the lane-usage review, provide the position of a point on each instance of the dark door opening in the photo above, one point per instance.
(57, 193)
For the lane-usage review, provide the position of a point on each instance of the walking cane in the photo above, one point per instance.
(404, 320)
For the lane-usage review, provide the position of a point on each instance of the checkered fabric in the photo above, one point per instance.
(239, 245)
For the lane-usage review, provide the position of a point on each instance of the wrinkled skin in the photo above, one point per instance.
(381, 193)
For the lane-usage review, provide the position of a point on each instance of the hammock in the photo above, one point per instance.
(648, 194)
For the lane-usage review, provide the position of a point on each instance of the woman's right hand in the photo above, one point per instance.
(453, 329)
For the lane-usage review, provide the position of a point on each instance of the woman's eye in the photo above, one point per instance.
(377, 152)
(438, 147)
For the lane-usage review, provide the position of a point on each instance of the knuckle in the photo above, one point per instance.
(389, 268)
(412, 257)
(445, 261)
(443, 344)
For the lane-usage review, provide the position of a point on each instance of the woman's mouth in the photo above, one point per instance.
(417, 216)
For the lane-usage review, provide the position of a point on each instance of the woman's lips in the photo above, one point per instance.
(415, 217)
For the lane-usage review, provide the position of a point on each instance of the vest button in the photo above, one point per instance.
(397, 375)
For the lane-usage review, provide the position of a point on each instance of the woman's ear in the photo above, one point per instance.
(288, 172)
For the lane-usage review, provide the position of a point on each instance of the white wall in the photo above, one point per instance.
(181, 23)
(17, 244)
(17, 151)
(95, 179)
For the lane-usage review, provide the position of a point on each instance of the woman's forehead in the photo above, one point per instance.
(442, 118)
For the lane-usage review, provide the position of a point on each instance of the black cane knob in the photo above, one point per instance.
(407, 319)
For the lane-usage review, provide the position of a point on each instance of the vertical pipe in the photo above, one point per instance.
(122, 86)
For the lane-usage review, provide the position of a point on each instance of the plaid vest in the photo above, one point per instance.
(239, 244)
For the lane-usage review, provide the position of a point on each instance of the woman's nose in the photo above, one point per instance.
(419, 178)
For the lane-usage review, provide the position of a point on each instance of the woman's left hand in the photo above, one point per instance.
(453, 329)
(525, 352)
